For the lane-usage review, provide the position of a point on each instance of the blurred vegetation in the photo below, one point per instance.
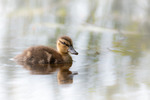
(122, 15)
(131, 45)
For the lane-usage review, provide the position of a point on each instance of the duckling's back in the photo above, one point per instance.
(40, 55)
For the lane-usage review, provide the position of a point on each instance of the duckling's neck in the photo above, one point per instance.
(66, 57)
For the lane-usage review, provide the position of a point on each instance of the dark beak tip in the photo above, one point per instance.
(76, 53)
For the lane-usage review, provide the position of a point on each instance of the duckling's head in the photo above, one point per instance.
(65, 45)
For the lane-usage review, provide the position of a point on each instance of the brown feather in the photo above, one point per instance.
(38, 53)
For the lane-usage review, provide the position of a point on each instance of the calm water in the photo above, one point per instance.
(111, 37)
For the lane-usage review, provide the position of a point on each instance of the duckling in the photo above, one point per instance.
(47, 55)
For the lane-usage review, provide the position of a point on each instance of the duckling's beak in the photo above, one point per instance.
(72, 50)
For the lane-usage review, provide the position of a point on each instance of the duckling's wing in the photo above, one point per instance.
(39, 55)
(52, 55)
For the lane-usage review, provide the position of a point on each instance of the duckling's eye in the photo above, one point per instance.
(64, 43)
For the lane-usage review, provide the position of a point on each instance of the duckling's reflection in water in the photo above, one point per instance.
(64, 75)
